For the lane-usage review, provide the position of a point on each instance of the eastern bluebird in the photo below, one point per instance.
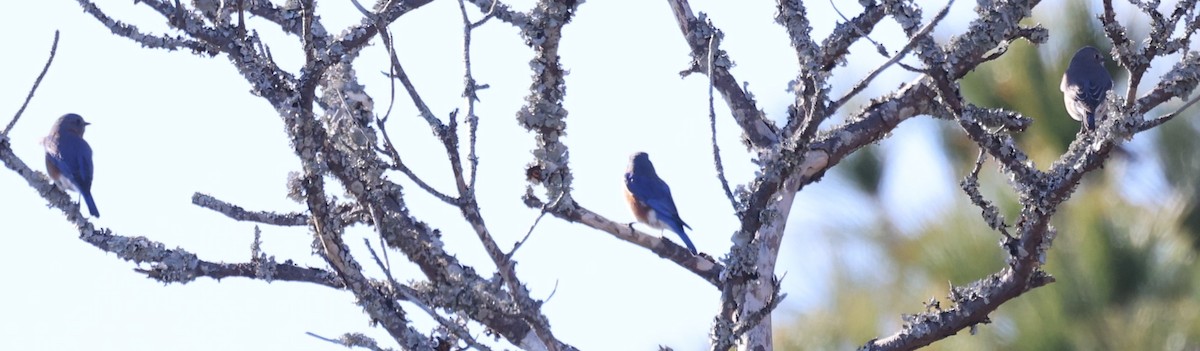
(1085, 85)
(69, 158)
(650, 198)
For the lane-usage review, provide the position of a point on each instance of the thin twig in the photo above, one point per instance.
(400, 166)
(991, 214)
(527, 233)
(402, 76)
(446, 134)
(545, 208)
(501, 11)
(758, 131)
(411, 297)
(353, 340)
(878, 47)
(36, 83)
(241, 214)
(491, 12)
(168, 42)
(912, 43)
(1125, 50)
(377, 214)
(396, 71)
(387, 272)
(469, 92)
(712, 126)
(552, 292)
(385, 35)
(391, 87)
(1167, 117)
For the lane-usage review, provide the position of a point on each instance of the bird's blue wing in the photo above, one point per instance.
(1094, 93)
(76, 153)
(655, 194)
(651, 191)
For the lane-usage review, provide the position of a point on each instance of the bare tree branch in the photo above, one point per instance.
(268, 270)
(36, 83)
(835, 47)
(328, 117)
(991, 215)
(1167, 117)
(862, 84)
(352, 340)
(702, 265)
(1180, 81)
(501, 11)
(148, 40)
(758, 131)
(239, 213)
(712, 126)
(470, 90)
(410, 296)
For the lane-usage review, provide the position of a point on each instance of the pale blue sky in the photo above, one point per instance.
(167, 124)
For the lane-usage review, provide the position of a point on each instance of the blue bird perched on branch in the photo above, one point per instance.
(1085, 85)
(650, 198)
(69, 158)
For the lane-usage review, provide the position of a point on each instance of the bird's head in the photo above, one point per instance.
(71, 123)
(640, 163)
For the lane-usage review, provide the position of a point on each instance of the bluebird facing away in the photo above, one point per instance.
(1085, 85)
(650, 198)
(69, 158)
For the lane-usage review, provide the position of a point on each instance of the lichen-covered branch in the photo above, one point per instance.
(149, 40)
(702, 265)
(499, 10)
(238, 213)
(991, 214)
(758, 131)
(352, 161)
(344, 148)
(265, 270)
(835, 47)
(712, 128)
(1040, 196)
(352, 340)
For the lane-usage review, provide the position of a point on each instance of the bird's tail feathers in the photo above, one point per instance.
(678, 229)
(91, 204)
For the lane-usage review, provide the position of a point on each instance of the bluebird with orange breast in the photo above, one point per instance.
(650, 198)
(69, 158)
